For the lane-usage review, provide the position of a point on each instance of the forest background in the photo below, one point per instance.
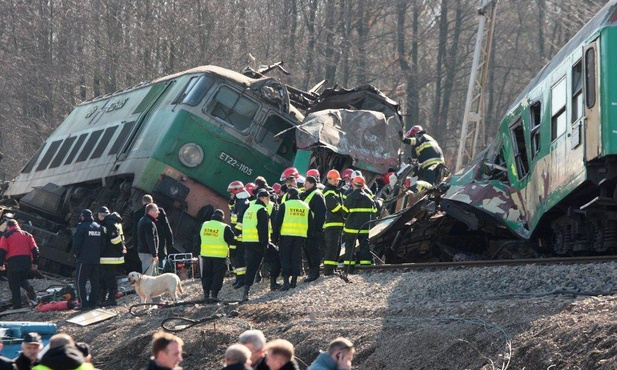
(55, 54)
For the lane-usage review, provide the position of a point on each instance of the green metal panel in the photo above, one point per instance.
(608, 91)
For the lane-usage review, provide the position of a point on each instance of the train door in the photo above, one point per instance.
(593, 143)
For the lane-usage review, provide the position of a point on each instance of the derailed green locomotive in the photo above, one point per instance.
(548, 178)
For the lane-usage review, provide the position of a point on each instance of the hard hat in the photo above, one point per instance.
(386, 177)
(359, 181)
(333, 174)
(277, 188)
(347, 172)
(235, 187)
(414, 131)
(290, 172)
(250, 188)
(313, 172)
(410, 181)
(356, 173)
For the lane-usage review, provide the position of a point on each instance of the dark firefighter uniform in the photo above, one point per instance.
(429, 155)
(333, 227)
(291, 229)
(255, 238)
(20, 251)
(216, 237)
(112, 255)
(359, 209)
(88, 241)
(272, 259)
(315, 243)
(237, 251)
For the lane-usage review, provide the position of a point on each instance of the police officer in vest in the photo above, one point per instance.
(313, 196)
(112, 255)
(333, 226)
(428, 153)
(291, 229)
(216, 237)
(359, 209)
(255, 237)
(88, 241)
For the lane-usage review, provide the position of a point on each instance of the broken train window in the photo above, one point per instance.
(284, 144)
(233, 108)
(519, 149)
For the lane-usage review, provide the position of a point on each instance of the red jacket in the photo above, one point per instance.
(19, 249)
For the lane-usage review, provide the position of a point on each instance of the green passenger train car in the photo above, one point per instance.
(550, 175)
(182, 137)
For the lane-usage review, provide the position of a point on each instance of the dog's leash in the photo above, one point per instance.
(139, 309)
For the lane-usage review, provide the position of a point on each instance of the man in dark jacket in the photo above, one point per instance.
(63, 354)
(88, 241)
(30, 348)
(255, 238)
(163, 228)
(167, 352)
(280, 355)
(428, 153)
(255, 341)
(112, 255)
(359, 209)
(148, 239)
(237, 357)
(313, 248)
(19, 250)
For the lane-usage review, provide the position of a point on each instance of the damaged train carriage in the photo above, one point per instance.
(548, 181)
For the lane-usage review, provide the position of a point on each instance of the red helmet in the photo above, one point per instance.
(290, 172)
(250, 188)
(333, 174)
(407, 182)
(235, 187)
(313, 172)
(347, 172)
(359, 181)
(277, 188)
(413, 131)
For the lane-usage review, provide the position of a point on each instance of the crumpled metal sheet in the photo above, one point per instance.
(366, 136)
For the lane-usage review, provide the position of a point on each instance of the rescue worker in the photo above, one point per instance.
(313, 249)
(277, 191)
(19, 250)
(334, 222)
(428, 153)
(272, 259)
(216, 237)
(240, 199)
(255, 238)
(88, 242)
(359, 209)
(315, 173)
(291, 229)
(291, 177)
(112, 255)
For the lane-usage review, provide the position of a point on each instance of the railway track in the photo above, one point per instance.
(489, 263)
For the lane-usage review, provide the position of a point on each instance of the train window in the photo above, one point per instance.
(94, 137)
(49, 154)
(30, 165)
(80, 140)
(195, 90)
(233, 108)
(122, 137)
(558, 109)
(68, 142)
(283, 145)
(109, 132)
(577, 103)
(590, 77)
(535, 112)
(519, 149)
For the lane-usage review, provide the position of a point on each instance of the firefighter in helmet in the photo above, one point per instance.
(428, 153)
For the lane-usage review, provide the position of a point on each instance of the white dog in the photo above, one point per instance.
(148, 287)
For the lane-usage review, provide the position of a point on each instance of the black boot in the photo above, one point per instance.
(240, 282)
(245, 296)
(312, 276)
(207, 296)
(328, 270)
(215, 296)
(286, 284)
(274, 285)
(294, 281)
(31, 294)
